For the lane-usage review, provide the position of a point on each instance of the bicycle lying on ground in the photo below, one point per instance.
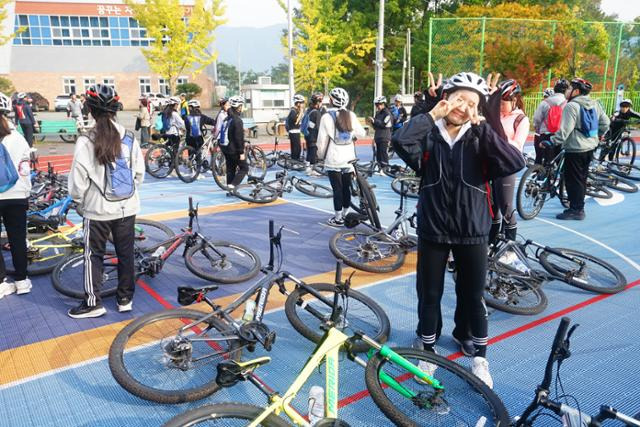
(514, 286)
(171, 356)
(452, 396)
(255, 158)
(571, 417)
(259, 191)
(217, 261)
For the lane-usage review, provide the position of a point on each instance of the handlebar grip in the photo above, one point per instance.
(338, 272)
(270, 229)
(190, 203)
(561, 333)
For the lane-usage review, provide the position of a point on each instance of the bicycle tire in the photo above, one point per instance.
(395, 171)
(456, 407)
(596, 188)
(238, 411)
(239, 265)
(70, 139)
(411, 186)
(68, 276)
(47, 253)
(271, 127)
(158, 161)
(151, 348)
(313, 189)
(219, 170)
(286, 162)
(373, 321)
(257, 162)
(255, 193)
(631, 172)
(626, 148)
(148, 233)
(371, 205)
(551, 262)
(361, 249)
(530, 188)
(186, 164)
(513, 295)
(619, 183)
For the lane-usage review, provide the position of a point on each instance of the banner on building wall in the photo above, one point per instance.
(78, 9)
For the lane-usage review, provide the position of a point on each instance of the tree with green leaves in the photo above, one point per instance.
(4, 14)
(6, 86)
(190, 89)
(180, 40)
(279, 73)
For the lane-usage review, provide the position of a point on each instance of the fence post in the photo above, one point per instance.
(430, 44)
(484, 22)
(553, 35)
(606, 67)
(615, 68)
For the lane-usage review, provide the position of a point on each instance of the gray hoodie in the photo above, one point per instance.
(540, 116)
(87, 176)
(571, 139)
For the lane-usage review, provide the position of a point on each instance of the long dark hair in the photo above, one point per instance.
(519, 102)
(168, 111)
(4, 126)
(105, 137)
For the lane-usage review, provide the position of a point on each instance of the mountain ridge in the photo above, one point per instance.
(259, 48)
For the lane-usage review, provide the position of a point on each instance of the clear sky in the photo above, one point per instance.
(262, 13)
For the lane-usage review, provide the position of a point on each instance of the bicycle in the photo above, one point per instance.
(376, 250)
(216, 261)
(613, 147)
(407, 184)
(274, 127)
(169, 356)
(254, 156)
(453, 396)
(539, 183)
(284, 160)
(190, 162)
(260, 191)
(514, 285)
(571, 417)
(160, 159)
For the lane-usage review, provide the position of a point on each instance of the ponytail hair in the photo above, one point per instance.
(5, 129)
(105, 137)
(343, 120)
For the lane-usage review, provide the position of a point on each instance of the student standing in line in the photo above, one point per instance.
(546, 122)
(194, 122)
(232, 143)
(382, 123)
(144, 114)
(15, 187)
(316, 110)
(106, 173)
(23, 115)
(220, 117)
(293, 126)
(172, 123)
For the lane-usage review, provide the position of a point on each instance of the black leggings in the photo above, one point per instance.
(312, 152)
(502, 207)
(382, 151)
(236, 169)
(27, 129)
(14, 218)
(341, 185)
(296, 146)
(471, 265)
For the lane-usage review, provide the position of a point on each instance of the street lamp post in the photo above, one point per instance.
(290, 39)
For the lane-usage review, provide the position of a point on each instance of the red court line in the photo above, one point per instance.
(365, 393)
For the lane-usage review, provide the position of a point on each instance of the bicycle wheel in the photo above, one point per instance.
(513, 295)
(532, 193)
(255, 193)
(257, 162)
(286, 162)
(626, 151)
(44, 252)
(595, 276)
(368, 201)
(186, 164)
(68, 276)
(219, 170)
(395, 171)
(152, 357)
(222, 262)
(271, 127)
(596, 188)
(616, 182)
(465, 400)
(71, 138)
(367, 250)
(211, 415)
(314, 189)
(411, 186)
(307, 314)
(631, 172)
(148, 234)
(159, 161)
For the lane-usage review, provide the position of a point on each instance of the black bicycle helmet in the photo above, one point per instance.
(509, 89)
(561, 86)
(317, 97)
(223, 101)
(582, 85)
(102, 97)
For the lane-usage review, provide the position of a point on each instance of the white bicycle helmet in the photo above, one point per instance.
(174, 100)
(398, 97)
(466, 80)
(339, 97)
(298, 99)
(21, 95)
(380, 100)
(5, 103)
(236, 101)
(548, 92)
(626, 101)
(194, 103)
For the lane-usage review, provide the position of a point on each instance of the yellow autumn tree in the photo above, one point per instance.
(180, 35)
(3, 16)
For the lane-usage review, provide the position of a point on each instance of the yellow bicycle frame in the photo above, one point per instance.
(44, 241)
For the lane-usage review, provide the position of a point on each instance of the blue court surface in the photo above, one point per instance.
(54, 369)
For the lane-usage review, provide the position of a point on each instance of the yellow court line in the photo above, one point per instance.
(34, 359)
(205, 210)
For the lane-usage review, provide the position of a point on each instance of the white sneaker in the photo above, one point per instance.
(125, 306)
(480, 368)
(6, 288)
(23, 286)
(427, 368)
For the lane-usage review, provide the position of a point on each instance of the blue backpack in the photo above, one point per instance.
(589, 121)
(304, 124)
(340, 137)
(118, 180)
(395, 113)
(194, 126)
(8, 173)
(223, 137)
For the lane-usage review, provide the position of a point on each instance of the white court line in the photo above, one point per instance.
(597, 242)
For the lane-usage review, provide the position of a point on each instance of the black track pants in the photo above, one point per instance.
(576, 169)
(341, 185)
(236, 169)
(14, 219)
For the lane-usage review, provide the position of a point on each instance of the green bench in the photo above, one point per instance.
(250, 127)
(67, 130)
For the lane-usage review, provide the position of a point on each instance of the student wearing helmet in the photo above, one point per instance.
(583, 123)
(515, 124)
(172, 123)
(293, 125)
(338, 129)
(621, 117)
(546, 122)
(14, 202)
(107, 145)
(223, 103)
(315, 111)
(232, 143)
(23, 115)
(419, 105)
(194, 122)
(382, 123)
(398, 112)
(460, 153)
(144, 118)
(547, 93)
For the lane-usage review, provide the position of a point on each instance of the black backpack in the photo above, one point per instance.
(408, 142)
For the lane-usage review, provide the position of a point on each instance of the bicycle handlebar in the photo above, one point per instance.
(558, 341)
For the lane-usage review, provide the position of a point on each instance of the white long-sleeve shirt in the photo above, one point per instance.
(337, 156)
(19, 152)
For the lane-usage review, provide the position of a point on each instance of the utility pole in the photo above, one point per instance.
(290, 38)
(379, 52)
(404, 69)
(410, 85)
(239, 73)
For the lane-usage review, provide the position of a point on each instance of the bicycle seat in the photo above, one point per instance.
(39, 221)
(231, 371)
(188, 295)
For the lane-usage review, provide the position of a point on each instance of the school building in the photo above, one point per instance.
(70, 45)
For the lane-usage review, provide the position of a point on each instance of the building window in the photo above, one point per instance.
(87, 82)
(163, 87)
(109, 81)
(182, 80)
(68, 85)
(145, 85)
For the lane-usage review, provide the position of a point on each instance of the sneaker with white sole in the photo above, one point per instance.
(125, 305)
(480, 368)
(84, 311)
(333, 222)
(23, 286)
(6, 288)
